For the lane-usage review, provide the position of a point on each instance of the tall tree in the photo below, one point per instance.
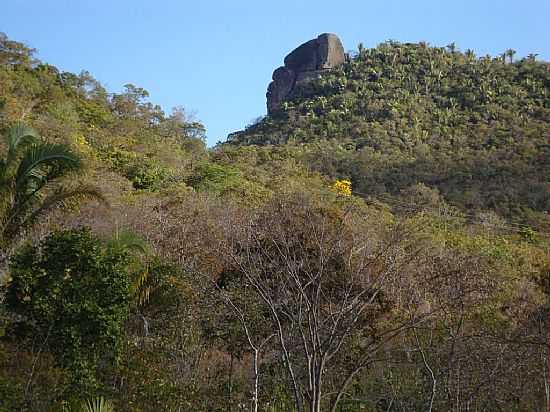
(337, 291)
(510, 53)
(13, 52)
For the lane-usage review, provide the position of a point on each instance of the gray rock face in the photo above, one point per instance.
(281, 86)
(303, 64)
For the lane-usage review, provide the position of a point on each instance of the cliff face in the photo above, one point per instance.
(302, 65)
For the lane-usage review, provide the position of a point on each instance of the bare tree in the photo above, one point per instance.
(332, 282)
(352, 296)
(256, 340)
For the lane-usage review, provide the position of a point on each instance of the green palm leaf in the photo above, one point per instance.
(141, 283)
(129, 240)
(61, 197)
(45, 161)
(29, 181)
(26, 215)
(19, 136)
(98, 405)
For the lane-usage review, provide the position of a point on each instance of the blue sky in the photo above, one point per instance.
(216, 57)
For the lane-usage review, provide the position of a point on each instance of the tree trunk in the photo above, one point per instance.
(231, 383)
(256, 382)
(3, 266)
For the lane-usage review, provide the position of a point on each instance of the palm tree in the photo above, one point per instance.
(510, 53)
(141, 282)
(142, 279)
(451, 47)
(30, 181)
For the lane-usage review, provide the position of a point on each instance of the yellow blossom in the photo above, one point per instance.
(342, 187)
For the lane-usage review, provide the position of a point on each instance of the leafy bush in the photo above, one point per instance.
(147, 174)
(73, 293)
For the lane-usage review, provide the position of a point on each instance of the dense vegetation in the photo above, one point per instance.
(382, 243)
(401, 114)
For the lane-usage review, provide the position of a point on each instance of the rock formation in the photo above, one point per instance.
(302, 65)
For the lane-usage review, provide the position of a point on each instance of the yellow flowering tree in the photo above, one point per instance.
(342, 187)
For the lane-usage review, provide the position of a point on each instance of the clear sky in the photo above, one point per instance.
(216, 57)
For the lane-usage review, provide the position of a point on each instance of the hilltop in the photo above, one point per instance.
(473, 128)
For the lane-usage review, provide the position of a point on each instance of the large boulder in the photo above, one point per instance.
(281, 86)
(324, 52)
(303, 64)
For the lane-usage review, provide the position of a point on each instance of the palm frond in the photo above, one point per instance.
(141, 287)
(141, 283)
(45, 160)
(22, 216)
(17, 137)
(98, 405)
(63, 195)
(129, 240)
(28, 179)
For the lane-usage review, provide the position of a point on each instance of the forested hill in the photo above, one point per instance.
(379, 242)
(475, 128)
(120, 132)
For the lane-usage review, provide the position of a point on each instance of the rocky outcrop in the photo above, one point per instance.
(302, 65)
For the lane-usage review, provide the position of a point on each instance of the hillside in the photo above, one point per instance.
(380, 241)
(474, 129)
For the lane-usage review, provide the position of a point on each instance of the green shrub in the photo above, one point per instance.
(147, 174)
(73, 293)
